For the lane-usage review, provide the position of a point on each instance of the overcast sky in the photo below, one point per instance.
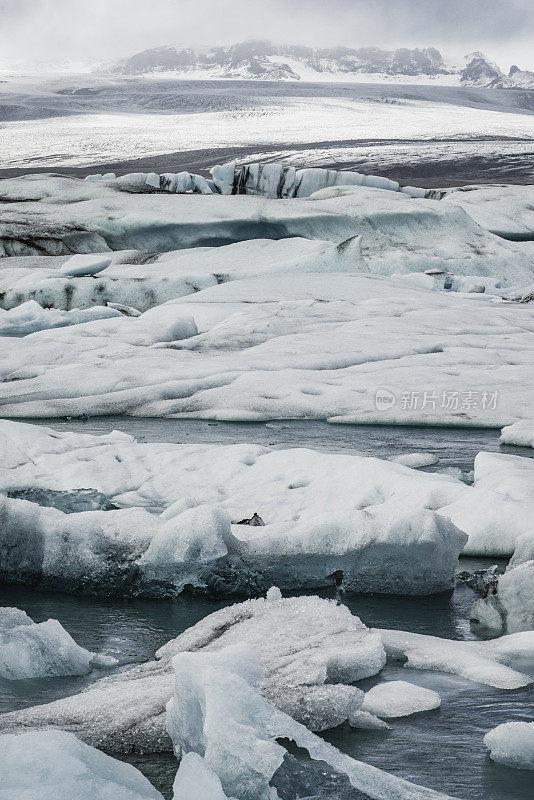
(95, 30)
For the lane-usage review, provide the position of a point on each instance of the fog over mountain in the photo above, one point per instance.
(90, 31)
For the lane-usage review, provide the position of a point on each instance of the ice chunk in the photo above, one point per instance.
(415, 460)
(55, 765)
(508, 602)
(504, 210)
(195, 779)
(311, 649)
(480, 661)
(399, 699)
(223, 177)
(81, 265)
(38, 650)
(218, 712)
(521, 433)
(512, 744)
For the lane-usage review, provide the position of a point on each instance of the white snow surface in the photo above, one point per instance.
(521, 433)
(512, 744)
(317, 346)
(484, 662)
(311, 651)
(399, 699)
(55, 765)
(38, 650)
(217, 711)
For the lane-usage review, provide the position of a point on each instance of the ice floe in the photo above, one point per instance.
(37, 650)
(55, 765)
(481, 661)
(311, 651)
(84, 265)
(318, 346)
(512, 744)
(399, 699)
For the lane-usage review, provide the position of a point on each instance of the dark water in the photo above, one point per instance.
(442, 749)
(455, 447)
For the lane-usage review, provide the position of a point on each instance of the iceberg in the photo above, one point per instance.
(485, 662)
(55, 765)
(195, 779)
(218, 712)
(176, 514)
(38, 650)
(134, 279)
(84, 265)
(506, 211)
(512, 744)
(508, 602)
(399, 699)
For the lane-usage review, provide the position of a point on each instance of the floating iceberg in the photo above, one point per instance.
(195, 779)
(55, 765)
(521, 433)
(481, 661)
(311, 651)
(399, 699)
(369, 524)
(512, 744)
(508, 603)
(217, 711)
(38, 650)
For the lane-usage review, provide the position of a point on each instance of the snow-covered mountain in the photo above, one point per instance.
(263, 60)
